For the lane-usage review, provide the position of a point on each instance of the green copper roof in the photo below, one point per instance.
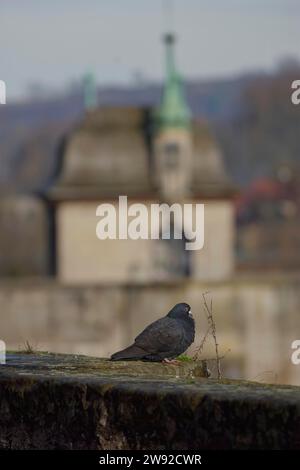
(174, 111)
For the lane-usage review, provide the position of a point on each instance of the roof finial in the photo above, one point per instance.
(174, 111)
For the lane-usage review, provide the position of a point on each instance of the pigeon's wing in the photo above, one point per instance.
(160, 336)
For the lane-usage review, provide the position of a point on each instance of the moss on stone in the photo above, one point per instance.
(78, 365)
(184, 358)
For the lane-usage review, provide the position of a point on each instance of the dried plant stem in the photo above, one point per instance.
(209, 313)
(201, 345)
(28, 348)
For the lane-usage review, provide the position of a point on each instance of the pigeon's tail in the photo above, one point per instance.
(130, 353)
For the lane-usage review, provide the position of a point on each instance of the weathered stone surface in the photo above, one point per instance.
(52, 401)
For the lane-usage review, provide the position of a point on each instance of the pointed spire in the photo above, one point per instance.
(174, 111)
(169, 40)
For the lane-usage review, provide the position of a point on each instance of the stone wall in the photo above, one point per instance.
(72, 402)
(257, 319)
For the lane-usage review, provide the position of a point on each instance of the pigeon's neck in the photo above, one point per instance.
(189, 322)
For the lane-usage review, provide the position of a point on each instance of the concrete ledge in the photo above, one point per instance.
(75, 402)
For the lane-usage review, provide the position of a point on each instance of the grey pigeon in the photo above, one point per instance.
(164, 339)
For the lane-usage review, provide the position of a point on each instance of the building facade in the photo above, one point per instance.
(152, 157)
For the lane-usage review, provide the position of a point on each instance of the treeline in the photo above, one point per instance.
(265, 132)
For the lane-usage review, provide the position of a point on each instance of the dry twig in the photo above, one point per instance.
(211, 322)
(201, 345)
(29, 349)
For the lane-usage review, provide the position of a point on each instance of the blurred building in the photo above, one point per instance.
(24, 236)
(151, 156)
(268, 219)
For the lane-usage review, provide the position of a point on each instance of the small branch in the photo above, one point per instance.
(29, 349)
(211, 322)
(201, 345)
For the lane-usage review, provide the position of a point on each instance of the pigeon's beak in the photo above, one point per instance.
(190, 314)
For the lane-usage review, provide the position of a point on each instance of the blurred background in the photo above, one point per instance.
(162, 101)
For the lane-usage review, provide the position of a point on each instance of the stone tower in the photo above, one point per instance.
(173, 141)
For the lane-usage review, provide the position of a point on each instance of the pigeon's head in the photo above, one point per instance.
(181, 311)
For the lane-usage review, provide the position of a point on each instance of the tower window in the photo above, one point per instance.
(172, 155)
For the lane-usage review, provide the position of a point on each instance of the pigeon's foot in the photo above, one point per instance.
(174, 362)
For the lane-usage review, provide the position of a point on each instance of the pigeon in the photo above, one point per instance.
(164, 339)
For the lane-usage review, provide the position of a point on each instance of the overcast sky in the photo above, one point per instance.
(55, 42)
